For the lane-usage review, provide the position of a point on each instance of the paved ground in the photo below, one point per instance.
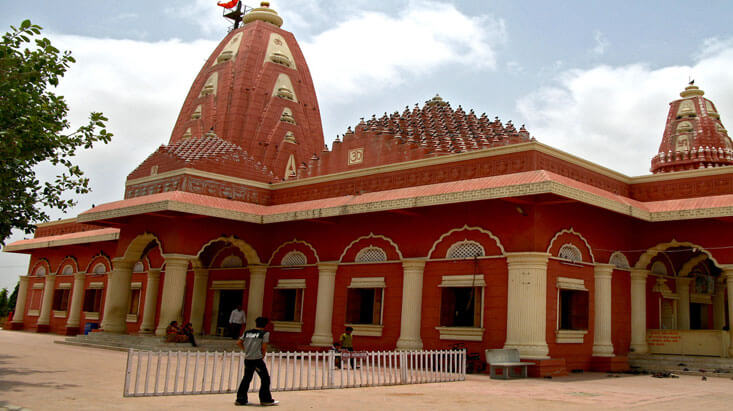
(37, 374)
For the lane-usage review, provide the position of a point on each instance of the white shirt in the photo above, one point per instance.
(237, 317)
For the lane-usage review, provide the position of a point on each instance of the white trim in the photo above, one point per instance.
(64, 241)
(469, 280)
(371, 235)
(197, 173)
(33, 313)
(287, 326)
(136, 285)
(571, 231)
(293, 241)
(37, 286)
(95, 286)
(566, 283)
(570, 336)
(461, 333)
(91, 315)
(64, 286)
(367, 282)
(290, 283)
(366, 330)
(466, 227)
(228, 285)
(59, 314)
(131, 318)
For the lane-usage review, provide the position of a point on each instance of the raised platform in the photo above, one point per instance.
(682, 364)
(123, 342)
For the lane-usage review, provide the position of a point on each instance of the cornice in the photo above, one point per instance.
(62, 242)
(57, 222)
(679, 175)
(197, 173)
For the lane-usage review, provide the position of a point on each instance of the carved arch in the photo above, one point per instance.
(293, 244)
(249, 252)
(652, 252)
(689, 265)
(138, 246)
(367, 240)
(100, 258)
(68, 261)
(41, 262)
(447, 236)
(573, 233)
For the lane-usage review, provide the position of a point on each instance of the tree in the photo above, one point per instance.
(34, 129)
(13, 297)
(4, 308)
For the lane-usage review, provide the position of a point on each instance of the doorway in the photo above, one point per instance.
(228, 300)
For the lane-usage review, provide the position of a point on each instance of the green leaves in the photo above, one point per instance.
(34, 129)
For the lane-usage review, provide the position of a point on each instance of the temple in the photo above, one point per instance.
(421, 228)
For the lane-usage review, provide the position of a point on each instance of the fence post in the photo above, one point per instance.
(331, 364)
(403, 367)
(128, 371)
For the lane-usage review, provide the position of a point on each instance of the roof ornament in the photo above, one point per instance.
(263, 13)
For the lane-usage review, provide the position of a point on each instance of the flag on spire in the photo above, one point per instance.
(228, 4)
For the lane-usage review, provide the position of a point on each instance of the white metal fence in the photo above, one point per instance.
(152, 373)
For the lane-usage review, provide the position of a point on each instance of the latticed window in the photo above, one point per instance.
(99, 269)
(619, 260)
(68, 270)
(139, 267)
(570, 252)
(294, 258)
(370, 254)
(659, 268)
(465, 249)
(231, 261)
(40, 271)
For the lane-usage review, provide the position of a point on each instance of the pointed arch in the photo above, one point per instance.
(68, 261)
(293, 244)
(389, 246)
(574, 233)
(40, 262)
(249, 252)
(467, 230)
(138, 246)
(690, 264)
(100, 258)
(652, 252)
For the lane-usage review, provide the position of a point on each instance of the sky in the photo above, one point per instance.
(592, 78)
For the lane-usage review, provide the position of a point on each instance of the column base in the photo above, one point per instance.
(16, 325)
(43, 328)
(546, 368)
(603, 350)
(74, 330)
(639, 348)
(409, 345)
(321, 340)
(609, 364)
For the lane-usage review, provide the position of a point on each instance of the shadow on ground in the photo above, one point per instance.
(9, 383)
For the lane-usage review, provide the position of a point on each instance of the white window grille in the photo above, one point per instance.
(40, 271)
(139, 267)
(370, 254)
(294, 258)
(99, 269)
(619, 260)
(68, 270)
(570, 252)
(231, 261)
(465, 249)
(659, 268)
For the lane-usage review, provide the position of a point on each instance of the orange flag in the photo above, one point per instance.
(228, 5)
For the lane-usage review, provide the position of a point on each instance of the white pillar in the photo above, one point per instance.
(117, 298)
(527, 304)
(256, 295)
(719, 306)
(19, 312)
(412, 281)
(602, 344)
(683, 306)
(638, 310)
(198, 302)
(174, 290)
(151, 301)
(77, 296)
(322, 335)
(728, 273)
(45, 317)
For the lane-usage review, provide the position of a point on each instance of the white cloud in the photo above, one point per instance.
(601, 43)
(371, 51)
(615, 116)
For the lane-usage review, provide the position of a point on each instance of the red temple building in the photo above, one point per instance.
(422, 228)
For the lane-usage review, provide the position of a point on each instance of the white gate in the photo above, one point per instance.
(151, 373)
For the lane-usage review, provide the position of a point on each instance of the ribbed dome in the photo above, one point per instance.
(694, 136)
(255, 91)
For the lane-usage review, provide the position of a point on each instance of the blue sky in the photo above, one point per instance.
(593, 78)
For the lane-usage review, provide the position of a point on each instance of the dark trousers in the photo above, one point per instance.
(351, 358)
(191, 338)
(235, 330)
(250, 366)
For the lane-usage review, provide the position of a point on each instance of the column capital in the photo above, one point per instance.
(639, 273)
(529, 258)
(80, 276)
(257, 269)
(121, 262)
(201, 272)
(413, 264)
(154, 272)
(727, 271)
(50, 276)
(177, 259)
(603, 271)
(25, 279)
(683, 280)
(328, 267)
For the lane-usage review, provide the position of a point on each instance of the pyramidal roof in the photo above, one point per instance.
(694, 136)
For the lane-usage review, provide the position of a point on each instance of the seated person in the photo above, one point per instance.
(187, 334)
(171, 332)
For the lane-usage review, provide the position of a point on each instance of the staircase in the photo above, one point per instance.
(682, 364)
(123, 342)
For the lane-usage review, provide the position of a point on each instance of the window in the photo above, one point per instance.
(68, 270)
(40, 271)
(61, 300)
(134, 301)
(465, 249)
(570, 252)
(459, 308)
(370, 254)
(619, 260)
(231, 261)
(573, 310)
(35, 301)
(99, 269)
(139, 267)
(294, 258)
(287, 304)
(93, 300)
(364, 306)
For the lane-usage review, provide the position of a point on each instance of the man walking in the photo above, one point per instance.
(236, 319)
(254, 343)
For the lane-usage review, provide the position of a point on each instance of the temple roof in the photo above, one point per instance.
(694, 136)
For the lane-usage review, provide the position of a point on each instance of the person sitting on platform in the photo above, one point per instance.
(172, 333)
(187, 333)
